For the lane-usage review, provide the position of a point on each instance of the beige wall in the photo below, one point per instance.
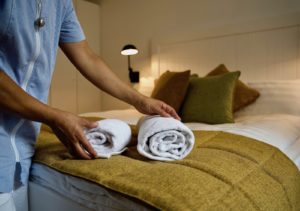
(140, 21)
(70, 91)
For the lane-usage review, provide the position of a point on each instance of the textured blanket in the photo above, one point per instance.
(223, 172)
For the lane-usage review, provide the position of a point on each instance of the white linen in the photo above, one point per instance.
(164, 139)
(276, 97)
(110, 137)
(279, 130)
(131, 116)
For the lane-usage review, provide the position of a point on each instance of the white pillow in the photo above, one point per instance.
(275, 97)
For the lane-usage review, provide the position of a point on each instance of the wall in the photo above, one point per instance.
(141, 21)
(272, 54)
(70, 91)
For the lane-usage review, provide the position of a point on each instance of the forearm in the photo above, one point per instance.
(67, 127)
(101, 76)
(16, 100)
(95, 70)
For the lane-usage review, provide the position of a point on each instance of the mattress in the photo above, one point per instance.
(83, 192)
(283, 130)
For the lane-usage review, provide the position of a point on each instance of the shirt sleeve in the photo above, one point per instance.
(71, 30)
(6, 8)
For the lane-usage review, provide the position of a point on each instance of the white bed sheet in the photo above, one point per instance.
(279, 130)
(131, 116)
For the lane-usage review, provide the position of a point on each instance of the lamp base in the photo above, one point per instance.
(134, 76)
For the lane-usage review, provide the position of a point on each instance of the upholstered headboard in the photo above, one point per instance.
(265, 50)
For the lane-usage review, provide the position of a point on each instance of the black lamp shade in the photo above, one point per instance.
(129, 49)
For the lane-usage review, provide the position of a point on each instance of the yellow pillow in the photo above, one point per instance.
(171, 88)
(243, 95)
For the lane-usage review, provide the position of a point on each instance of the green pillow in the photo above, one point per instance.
(210, 99)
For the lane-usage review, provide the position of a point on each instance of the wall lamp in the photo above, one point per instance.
(129, 50)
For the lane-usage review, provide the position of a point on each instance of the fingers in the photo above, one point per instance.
(168, 111)
(82, 149)
(89, 125)
(153, 106)
(84, 142)
(79, 152)
(87, 146)
(164, 114)
(174, 113)
(71, 134)
(80, 143)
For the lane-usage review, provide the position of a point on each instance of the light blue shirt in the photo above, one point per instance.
(27, 55)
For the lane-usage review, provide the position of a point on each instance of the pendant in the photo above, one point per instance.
(40, 22)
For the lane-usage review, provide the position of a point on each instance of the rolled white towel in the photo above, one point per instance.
(164, 139)
(110, 137)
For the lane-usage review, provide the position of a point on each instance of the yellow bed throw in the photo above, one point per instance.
(223, 172)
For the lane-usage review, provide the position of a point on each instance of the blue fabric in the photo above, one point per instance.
(19, 38)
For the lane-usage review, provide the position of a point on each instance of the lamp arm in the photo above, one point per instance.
(129, 64)
(133, 75)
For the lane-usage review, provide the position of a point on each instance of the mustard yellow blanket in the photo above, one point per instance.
(223, 172)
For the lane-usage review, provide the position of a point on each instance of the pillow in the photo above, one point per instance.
(244, 95)
(275, 97)
(210, 99)
(171, 88)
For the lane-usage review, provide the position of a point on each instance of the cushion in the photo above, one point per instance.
(209, 99)
(280, 97)
(171, 88)
(244, 95)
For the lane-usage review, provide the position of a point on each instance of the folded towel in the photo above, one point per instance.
(164, 139)
(110, 137)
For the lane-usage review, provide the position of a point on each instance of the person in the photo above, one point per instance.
(30, 33)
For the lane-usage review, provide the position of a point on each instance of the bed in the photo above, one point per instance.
(64, 192)
(270, 126)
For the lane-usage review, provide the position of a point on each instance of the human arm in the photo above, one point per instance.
(68, 127)
(92, 67)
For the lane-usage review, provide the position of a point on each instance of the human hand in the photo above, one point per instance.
(69, 128)
(152, 106)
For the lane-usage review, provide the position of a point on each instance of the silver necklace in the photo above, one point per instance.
(40, 21)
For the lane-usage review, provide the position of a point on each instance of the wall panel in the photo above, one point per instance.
(268, 54)
(70, 91)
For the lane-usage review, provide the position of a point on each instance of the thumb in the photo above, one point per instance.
(90, 125)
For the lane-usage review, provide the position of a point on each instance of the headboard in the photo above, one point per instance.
(263, 51)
